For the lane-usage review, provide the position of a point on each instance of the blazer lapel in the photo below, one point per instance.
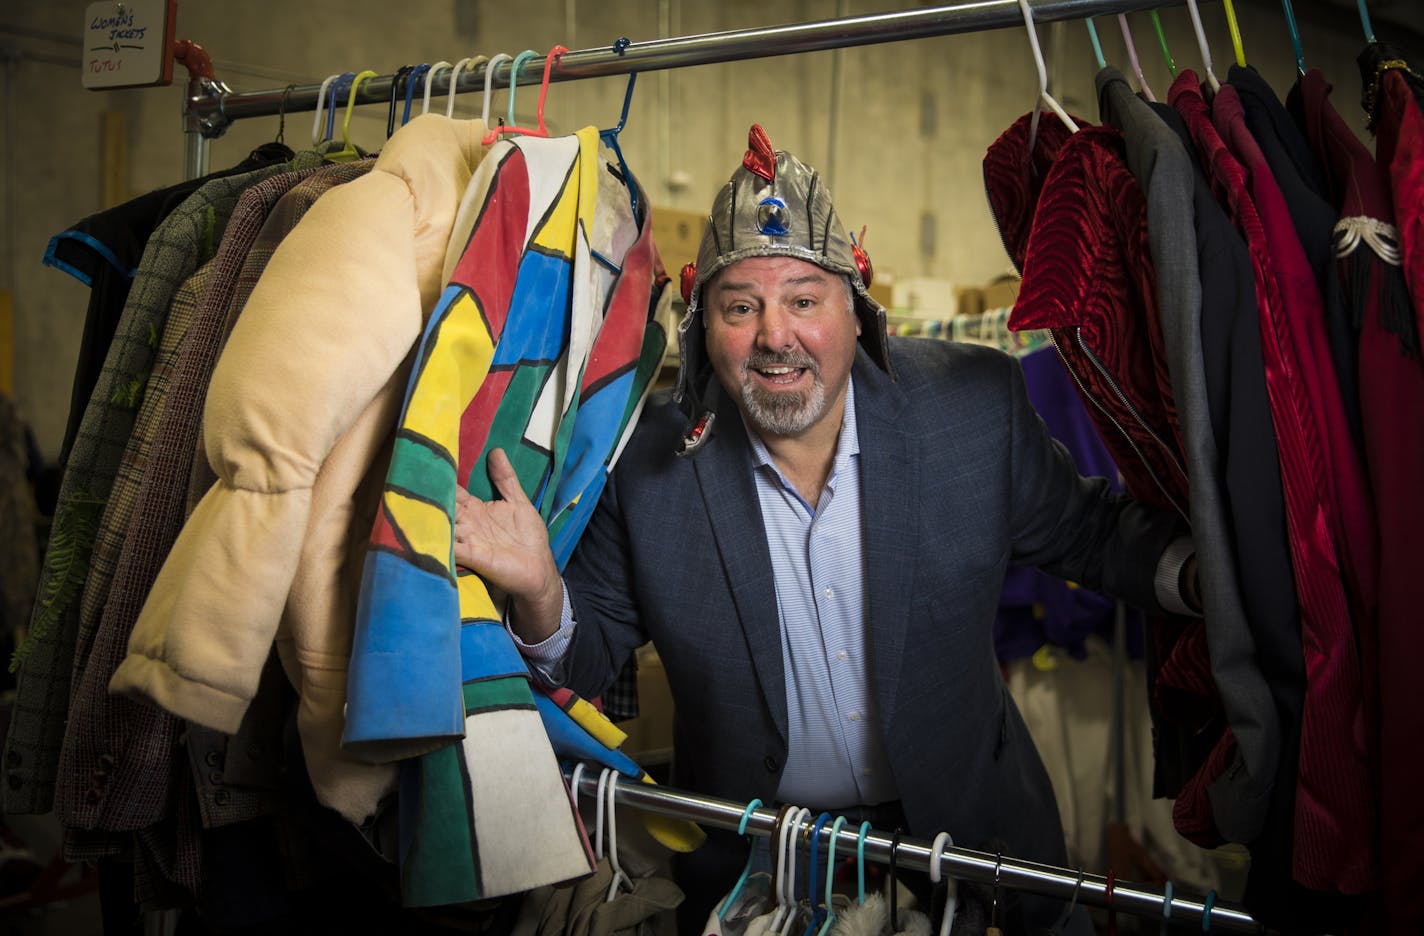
(889, 491)
(724, 474)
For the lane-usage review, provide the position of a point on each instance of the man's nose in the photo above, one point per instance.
(774, 332)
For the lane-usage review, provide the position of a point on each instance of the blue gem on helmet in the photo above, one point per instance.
(772, 216)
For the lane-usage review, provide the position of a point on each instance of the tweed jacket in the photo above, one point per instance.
(298, 426)
(959, 478)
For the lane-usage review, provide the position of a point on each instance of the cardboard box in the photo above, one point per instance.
(677, 235)
(969, 300)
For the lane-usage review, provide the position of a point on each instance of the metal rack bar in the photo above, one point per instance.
(212, 107)
(959, 863)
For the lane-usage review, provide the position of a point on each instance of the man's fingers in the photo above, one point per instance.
(501, 472)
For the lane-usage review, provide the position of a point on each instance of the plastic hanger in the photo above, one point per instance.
(1132, 58)
(1166, 909)
(402, 75)
(610, 137)
(1043, 96)
(1201, 44)
(1295, 36)
(619, 878)
(812, 891)
(339, 87)
(1365, 21)
(541, 131)
(1097, 46)
(1108, 897)
(490, 68)
(1235, 32)
(417, 74)
(830, 876)
(465, 63)
(348, 150)
(316, 119)
(894, 882)
(1162, 41)
(792, 860)
(515, 70)
(1206, 910)
(746, 871)
(786, 864)
(574, 783)
(429, 78)
(860, 864)
(951, 898)
(1067, 914)
(993, 929)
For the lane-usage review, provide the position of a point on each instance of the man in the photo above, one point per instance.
(818, 558)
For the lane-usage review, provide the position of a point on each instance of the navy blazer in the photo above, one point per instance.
(959, 478)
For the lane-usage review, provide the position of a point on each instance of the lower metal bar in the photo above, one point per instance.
(959, 863)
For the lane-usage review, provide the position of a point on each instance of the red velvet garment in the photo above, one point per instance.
(1334, 814)
(1080, 239)
(1392, 400)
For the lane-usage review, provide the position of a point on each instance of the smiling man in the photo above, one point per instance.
(814, 541)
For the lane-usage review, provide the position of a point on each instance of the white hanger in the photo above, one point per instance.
(619, 878)
(574, 783)
(786, 869)
(1201, 44)
(793, 853)
(490, 68)
(425, 108)
(317, 135)
(951, 899)
(1043, 96)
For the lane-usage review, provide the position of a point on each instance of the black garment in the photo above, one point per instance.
(1302, 182)
(102, 251)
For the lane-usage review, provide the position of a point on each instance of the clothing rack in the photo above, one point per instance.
(956, 863)
(210, 106)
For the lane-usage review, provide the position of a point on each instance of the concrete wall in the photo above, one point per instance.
(903, 147)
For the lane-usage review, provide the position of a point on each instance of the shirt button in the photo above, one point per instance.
(840, 654)
(829, 593)
(855, 716)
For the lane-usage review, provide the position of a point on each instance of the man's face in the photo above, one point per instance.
(781, 334)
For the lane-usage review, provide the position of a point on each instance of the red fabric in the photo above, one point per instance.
(1395, 383)
(1080, 239)
(1333, 813)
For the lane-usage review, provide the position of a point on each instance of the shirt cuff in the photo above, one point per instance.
(1167, 582)
(546, 657)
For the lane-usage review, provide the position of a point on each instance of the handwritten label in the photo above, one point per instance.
(128, 44)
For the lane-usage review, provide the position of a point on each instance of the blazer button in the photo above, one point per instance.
(212, 758)
(771, 763)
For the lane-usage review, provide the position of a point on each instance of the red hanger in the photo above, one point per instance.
(494, 133)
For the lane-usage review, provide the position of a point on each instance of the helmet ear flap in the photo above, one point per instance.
(689, 277)
(862, 263)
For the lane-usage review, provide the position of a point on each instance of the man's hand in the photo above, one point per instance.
(506, 543)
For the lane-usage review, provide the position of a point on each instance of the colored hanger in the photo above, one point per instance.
(417, 75)
(830, 876)
(894, 883)
(1206, 910)
(1365, 21)
(1235, 32)
(746, 871)
(1097, 46)
(514, 72)
(429, 78)
(1295, 36)
(348, 150)
(1162, 40)
(1108, 896)
(1043, 96)
(1201, 44)
(490, 68)
(316, 119)
(951, 897)
(812, 866)
(1166, 908)
(1132, 58)
(860, 864)
(541, 131)
(610, 137)
(339, 87)
(993, 929)
(402, 74)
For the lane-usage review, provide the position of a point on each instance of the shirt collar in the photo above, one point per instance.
(847, 444)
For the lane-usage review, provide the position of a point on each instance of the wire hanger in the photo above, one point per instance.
(1043, 96)
(490, 68)
(1235, 32)
(348, 150)
(541, 131)
(1365, 21)
(429, 78)
(951, 897)
(1201, 44)
(1162, 40)
(1295, 36)
(1132, 58)
(610, 137)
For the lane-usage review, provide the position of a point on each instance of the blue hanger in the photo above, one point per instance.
(746, 872)
(811, 895)
(416, 75)
(1365, 22)
(1206, 910)
(402, 74)
(340, 86)
(610, 137)
(1295, 36)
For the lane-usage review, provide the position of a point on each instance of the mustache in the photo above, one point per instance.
(762, 359)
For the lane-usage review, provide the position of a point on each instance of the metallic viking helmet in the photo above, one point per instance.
(774, 205)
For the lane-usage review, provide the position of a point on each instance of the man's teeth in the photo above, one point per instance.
(778, 371)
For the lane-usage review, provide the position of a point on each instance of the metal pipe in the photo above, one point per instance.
(685, 51)
(959, 863)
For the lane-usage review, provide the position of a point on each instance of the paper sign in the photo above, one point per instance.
(128, 44)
